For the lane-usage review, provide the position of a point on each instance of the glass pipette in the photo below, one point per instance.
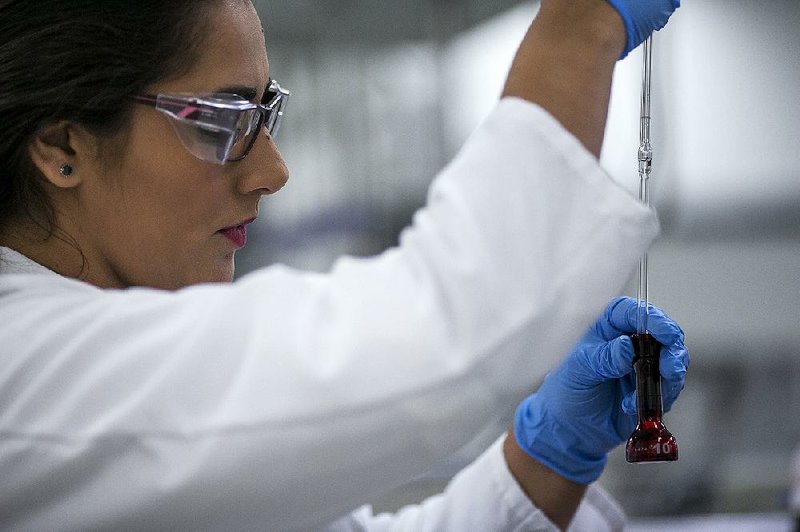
(645, 156)
(650, 441)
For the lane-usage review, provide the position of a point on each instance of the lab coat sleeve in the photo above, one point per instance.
(484, 497)
(287, 399)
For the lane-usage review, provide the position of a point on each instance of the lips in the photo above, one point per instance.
(237, 233)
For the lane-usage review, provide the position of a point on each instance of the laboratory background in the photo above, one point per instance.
(385, 93)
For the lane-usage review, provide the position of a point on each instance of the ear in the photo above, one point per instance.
(58, 144)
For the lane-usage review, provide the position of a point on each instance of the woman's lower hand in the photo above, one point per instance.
(586, 406)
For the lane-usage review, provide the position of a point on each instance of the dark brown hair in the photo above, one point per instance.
(81, 60)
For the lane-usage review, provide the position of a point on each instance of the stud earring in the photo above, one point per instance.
(66, 170)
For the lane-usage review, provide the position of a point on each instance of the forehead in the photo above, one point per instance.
(233, 54)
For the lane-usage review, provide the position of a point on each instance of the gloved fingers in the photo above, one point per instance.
(670, 390)
(629, 404)
(673, 363)
(610, 360)
(663, 328)
(626, 420)
(628, 388)
(614, 322)
(642, 18)
(621, 316)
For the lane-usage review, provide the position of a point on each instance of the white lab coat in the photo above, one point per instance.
(286, 400)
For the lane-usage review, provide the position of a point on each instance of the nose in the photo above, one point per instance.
(264, 170)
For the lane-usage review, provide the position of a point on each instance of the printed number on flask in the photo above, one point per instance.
(663, 448)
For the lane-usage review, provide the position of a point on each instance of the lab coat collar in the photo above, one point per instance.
(12, 261)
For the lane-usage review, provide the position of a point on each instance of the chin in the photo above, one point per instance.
(211, 275)
(218, 270)
(223, 272)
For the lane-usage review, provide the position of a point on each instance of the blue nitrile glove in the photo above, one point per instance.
(643, 17)
(587, 405)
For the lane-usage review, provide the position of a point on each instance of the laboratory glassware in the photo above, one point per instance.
(650, 441)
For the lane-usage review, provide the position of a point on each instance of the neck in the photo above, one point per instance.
(53, 249)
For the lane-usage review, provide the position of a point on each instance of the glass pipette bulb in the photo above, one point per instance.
(650, 441)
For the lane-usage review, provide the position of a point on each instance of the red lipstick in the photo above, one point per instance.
(237, 233)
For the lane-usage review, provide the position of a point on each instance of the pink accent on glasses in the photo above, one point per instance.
(188, 110)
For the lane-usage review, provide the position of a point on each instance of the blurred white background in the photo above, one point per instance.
(384, 94)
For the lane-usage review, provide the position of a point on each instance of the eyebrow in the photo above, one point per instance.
(248, 93)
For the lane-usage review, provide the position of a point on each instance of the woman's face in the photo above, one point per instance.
(157, 217)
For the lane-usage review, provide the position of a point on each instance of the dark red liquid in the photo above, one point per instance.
(650, 441)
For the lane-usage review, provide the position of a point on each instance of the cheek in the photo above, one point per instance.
(166, 182)
(165, 208)
(170, 205)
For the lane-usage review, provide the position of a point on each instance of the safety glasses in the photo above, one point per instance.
(220, 128)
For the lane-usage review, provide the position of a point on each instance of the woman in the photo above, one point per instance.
(140, 390)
